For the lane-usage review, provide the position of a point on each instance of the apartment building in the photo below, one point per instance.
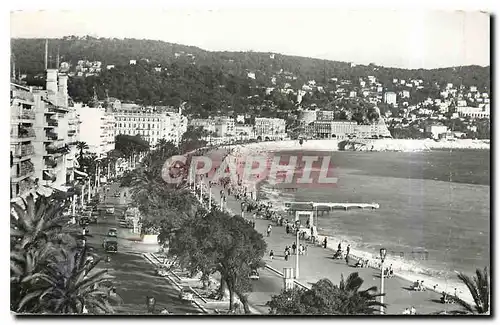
(390, 98)
(474, 112)
(97, 129)
(44, 131)
(341, 130)
(56, 131)
(22, 135)
(224, 127)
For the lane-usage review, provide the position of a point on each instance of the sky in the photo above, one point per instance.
(403, 38)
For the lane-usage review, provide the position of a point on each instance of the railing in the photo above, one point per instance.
(23, 150)
(22, 132)
(24, 95)
(24, 168)
(23, 114)
(51, 122)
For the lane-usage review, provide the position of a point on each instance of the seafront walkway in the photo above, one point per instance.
(319, 264)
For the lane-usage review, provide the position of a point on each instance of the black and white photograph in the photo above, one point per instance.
(251, 162)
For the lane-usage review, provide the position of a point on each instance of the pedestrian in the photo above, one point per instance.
(269, 228)
(406, 311)
(307, 223)
(347, 259)
(339, 247)
(325, 241)
(271, 254)
(348, 249)
(301, 249)
(253, 224)
(305, 250)
(287, 229)
(286, 254)
(294, 247)
(413, 311)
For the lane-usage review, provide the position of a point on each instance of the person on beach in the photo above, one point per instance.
(294, 248)
(325, 241)
(271, 254)
(413, 311)
(406, 311)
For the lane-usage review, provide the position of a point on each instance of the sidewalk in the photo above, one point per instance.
(318, 264)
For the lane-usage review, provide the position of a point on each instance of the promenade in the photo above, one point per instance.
(319, 264)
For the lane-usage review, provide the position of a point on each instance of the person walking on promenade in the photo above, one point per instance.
(286, 253)
(294, 248)
(253, 224)
(348, 249)
(325, 241)
(287, 229)
(271, 254)
(413, 311)
(269, 228)
(339, 247)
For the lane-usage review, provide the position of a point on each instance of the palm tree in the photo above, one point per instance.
(479, 288)
(81, 146)
(75, 286)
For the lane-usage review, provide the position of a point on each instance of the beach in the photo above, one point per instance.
(409, 204)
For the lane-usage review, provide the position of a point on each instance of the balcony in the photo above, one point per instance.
(20, 171)
(50, 162)
(51, 136)
(50, 122)
(49, 176)
(21, 151)
(21, 113)
(21, 133)
(22, 187)
(57, 149)
(55, 109)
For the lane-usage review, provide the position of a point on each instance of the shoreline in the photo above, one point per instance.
(401, 267)
(400, 145)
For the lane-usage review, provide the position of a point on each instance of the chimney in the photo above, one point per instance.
(51, 85)
(63, 89)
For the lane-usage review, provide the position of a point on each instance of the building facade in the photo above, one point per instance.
(151, 126)
(341, 130)
(474, 112)
(390, 98)
(97, 129)
(22, 136)
(270, 128)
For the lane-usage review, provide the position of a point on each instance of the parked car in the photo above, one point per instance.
(112, 232)
(110, 210)
(254, 275)
(186, 294)
(110, 245)
(117, 194)
(84, 221)
(161, 271)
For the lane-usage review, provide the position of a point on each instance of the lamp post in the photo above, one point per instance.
(383, 253)
(210, 197)
(151, 302)
(297, 227)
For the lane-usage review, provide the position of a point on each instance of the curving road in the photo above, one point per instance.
(134, 277)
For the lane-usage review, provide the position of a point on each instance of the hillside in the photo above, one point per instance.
(216, 81)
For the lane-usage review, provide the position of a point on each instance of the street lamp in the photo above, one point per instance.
(151, 302)
(383, 253)
(297, 227)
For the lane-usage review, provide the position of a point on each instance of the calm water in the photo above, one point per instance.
(436, 201)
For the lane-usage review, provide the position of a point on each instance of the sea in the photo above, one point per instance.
(434, 214)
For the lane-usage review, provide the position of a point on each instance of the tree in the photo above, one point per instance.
(325, 298)
(81, 146)
(219, 242)
(192, 139)
(479, 288)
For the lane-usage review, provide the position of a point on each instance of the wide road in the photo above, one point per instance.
(269, 284)
(134, 277)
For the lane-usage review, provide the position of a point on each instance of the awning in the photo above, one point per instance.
(60, 188)
(81, 173)
(44, 191)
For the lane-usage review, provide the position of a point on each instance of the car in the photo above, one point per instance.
(110, 210)
(112, 232)
(186, 294)
(84, 221)
(110, 245)
(117, 194)
(254, 275)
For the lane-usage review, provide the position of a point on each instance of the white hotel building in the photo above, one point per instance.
(152, 126)
(270, 128)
